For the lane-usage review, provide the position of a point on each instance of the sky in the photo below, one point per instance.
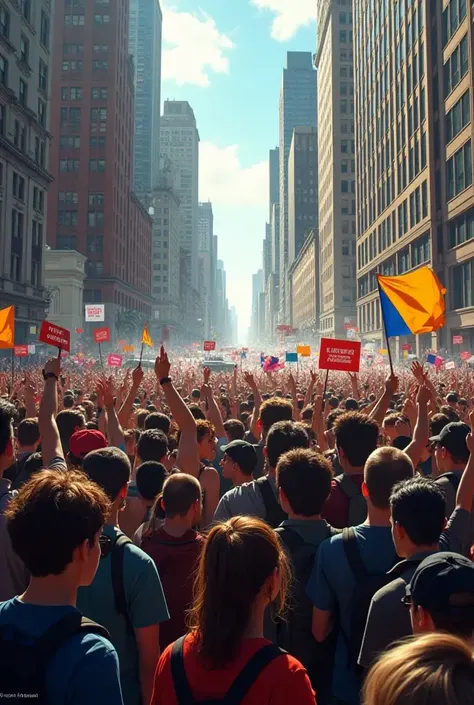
(225, 57)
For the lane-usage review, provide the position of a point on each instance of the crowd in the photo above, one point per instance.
(176, 537)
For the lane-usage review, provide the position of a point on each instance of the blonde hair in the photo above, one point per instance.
(433, 669)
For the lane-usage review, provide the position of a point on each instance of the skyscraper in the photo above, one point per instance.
(302, 189)
(414, 141)
(336, 166)
(298, 107)
(24, 158)
(180, 142)
(274, 180)
(92, 208)
(206, 254)
(145, 47)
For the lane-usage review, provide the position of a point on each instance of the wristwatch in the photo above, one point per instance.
(48, 375)
(165, 380)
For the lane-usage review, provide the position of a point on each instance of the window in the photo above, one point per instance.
(98, 114)
(420, 251)
(66, 142)
(463, 284)
(66, 242)
(3, 71)
(4, 22)
(73, 49)
(67, 218)
(100, 48)
(101, 19)
(73, 65)
(461, 229)
(75, 115)
(42, 113)
(69, 165)
(19, 135)
(456, 66)
(97, 142)
(18, 186)
(23, 92)
(403, 260)
(2, 119)
(17, 223)
(96, 198)
(459, 171)
(99, 93)
(43, 76)
(74, 20)
(44, 29)
(95, 243)
(424, 199)
(24, 49)
(458, 117)
(95, 219)
(453, 15)
(97, 165)
(100, 65)
(68, 197)
(71, 93)
(25, 9)
(40, 152)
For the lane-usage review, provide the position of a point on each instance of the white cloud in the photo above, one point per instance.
(291, 15)
(224, 180)
(193, 47)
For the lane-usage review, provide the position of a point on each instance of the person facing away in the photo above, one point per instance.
(149, 479)
(126, 594)
(434, 668)
(242, 570)
(260, 497)
(175, 548)
(55, 522)
(304, 483)
(28, 439)
(272, 411)
(351, 566)
(419, 529)
(356, 438)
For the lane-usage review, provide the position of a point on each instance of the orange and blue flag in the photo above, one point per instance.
(412, 303)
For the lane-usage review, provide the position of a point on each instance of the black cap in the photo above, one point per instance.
(453, 438)
(243, 454)
(438, 579)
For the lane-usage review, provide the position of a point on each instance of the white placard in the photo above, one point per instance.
(95, 313)
(31, 349)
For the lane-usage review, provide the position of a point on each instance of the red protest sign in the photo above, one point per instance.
(457, 339)
(406, 347)
(20, 350)
(342, 355)
(101, 335)
(209, 345)
(55, 335)
(465, 355)
(114, 360)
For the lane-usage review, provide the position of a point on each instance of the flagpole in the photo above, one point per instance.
(13, 368)
(100, 355)
(141, 355)
(325, 387)
(385, 332)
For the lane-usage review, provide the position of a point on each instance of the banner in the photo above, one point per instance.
(101, 335)
(291, 357)
(7, 328)
(55, 335)
(95, 313)
(457, 339)
(406, 347)
(128, 348)
(339, 355)
(114, 360)
(304, 350)
(450, 365)
(20, 350)
(209, 345)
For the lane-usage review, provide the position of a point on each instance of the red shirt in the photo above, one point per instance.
(283, 681)
(336, 509)
(175, 559)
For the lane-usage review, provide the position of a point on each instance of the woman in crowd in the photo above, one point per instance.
(241, 571)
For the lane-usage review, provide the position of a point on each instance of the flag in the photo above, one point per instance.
(262, 359)
(146, 340)
(412, 303)
(438, 361)
(7, 328)
(431, 358)
(272, 363)
(243, 355)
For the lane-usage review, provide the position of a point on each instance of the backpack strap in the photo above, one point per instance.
(178, 674)
(250, 672)
(290, 538)
(274, 513)
(116, 565)
(452, 478)
(356, 564)
(347, 486)
(63, 630)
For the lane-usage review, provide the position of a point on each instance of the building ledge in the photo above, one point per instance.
(4, 142)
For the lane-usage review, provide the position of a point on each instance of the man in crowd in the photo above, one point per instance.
(239, 462)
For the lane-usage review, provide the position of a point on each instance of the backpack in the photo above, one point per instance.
(23, 665)
(366, 586)
(452, 478)
(357, 501)
(294, 633)
(239, 688)
(116, 567)
(274, 514)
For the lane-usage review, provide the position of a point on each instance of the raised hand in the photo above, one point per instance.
(417, 372)
(137, 376)
(250, 380)
(162, 364)
(53, 366)
(206, 375)
(391, 384)
(470, 436)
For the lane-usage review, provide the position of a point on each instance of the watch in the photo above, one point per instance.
(165, 380)
(48, 375)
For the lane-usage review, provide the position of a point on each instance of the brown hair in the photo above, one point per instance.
(383, 469)
(28, 432)
(274, 410)
(433, 669)
(238, 557)
(180, 491)
(203, 429)
(305, 478)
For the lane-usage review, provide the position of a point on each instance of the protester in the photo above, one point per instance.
(239, 462)
(149, 480)
(242, 569)
(47, 651)
(28, 439)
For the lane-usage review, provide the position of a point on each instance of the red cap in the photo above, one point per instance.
(82, 442)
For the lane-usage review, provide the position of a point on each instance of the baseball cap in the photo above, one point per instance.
(453, 438)
(242, 453)
(82, 442)
(441, 582)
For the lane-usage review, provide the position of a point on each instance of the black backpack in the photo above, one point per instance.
(239, 688)
(23, 665)
(116, 566)
(274, 514)
(357, 501)
(366, 586)
(294, 632)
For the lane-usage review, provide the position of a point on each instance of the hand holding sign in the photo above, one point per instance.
(339, 355)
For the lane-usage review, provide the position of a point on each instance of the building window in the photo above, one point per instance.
(74, 20)
(100, 48)
(67, 218)
(38, 199)
(100, 65)
(67, 165)
(17, 224)
(95, 244)
(456, 66)
(458, 117)
(2, 119)
(420, 251)
(453, 15)
(40, 152)
(19, 135)
(18, 186)
(67, 142)
(66, 242)
(24, 49)
(95, 219)
(97, 165)
(459, 171)
(73, 65)
(97, 142)
(43, 76)
(96, 198)
(71, 93)
(4, 22)
(23, 93)
(98, 114)
(99, 93)
(3, 71)
(44, 29)
(101, 19)
(73, 49)
(463, 284)
(461, 229)
(68, 197)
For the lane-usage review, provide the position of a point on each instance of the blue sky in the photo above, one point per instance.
(225, 57)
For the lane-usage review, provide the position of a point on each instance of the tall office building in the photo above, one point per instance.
(298, 107)
(180, 142)
(209, 263)
(24, 158)
(336, 167)
(302, 188)
(414, 138)
(145, 47)
(274, 177)
(91, 206)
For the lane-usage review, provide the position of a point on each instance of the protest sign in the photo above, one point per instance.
(457, 339)
(95, 313)
(101, 335)
(304, 350)
(209, 345)
(341, 355)
(20, 350)
(291, 357)
(55, 335)
(114, 360)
